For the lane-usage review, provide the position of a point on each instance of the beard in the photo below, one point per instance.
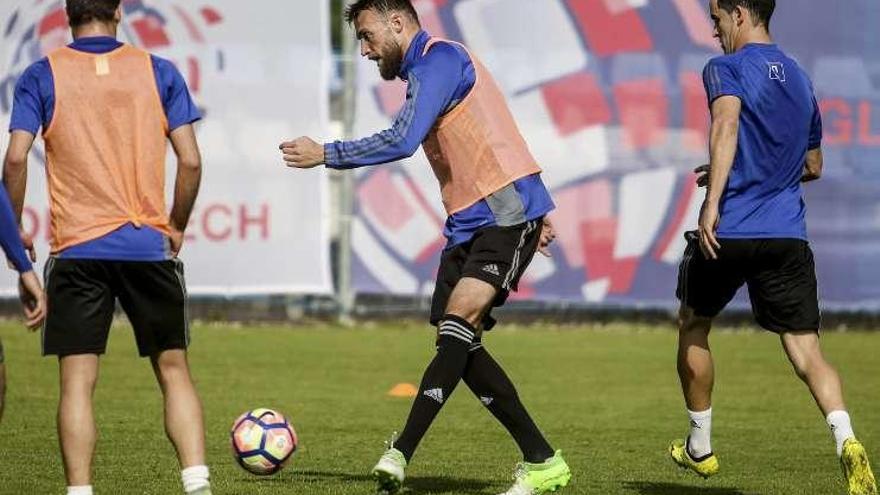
(390, 61)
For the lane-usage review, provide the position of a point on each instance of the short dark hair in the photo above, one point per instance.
(762, 10)
(80, 12)
(383, 7)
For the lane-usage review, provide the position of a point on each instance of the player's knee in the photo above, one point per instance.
(470, 300)
(172, 367)
(472, 315)
(689, 322)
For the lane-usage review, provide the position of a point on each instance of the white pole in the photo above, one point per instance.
(345, 291)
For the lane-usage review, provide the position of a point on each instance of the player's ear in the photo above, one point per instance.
(739, 15)
(117, 17)
(395, 19)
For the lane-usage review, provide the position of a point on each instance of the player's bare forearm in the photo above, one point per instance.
(186, 189)
(813, 165)
(189, 176)
(722, 144)
(15, 169)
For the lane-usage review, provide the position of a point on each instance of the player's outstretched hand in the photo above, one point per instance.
(33, 299)
(708, 225)
(548, 235)
(702, 175)
(302, 152)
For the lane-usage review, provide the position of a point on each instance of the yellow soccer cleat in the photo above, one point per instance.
(856, 469)
(705, 466)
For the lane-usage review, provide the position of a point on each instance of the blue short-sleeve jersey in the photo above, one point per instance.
(779, 123)
(33, 108)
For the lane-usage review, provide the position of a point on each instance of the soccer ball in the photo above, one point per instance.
(262, 441)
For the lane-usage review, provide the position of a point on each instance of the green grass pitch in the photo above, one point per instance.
(608, 396)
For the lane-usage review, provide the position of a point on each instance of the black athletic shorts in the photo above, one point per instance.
(82, 297)
(780, 274)
(496, 255)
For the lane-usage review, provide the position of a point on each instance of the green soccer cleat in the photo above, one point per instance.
(856, 469)
(705, 466)
(389, 472)
(537, 479)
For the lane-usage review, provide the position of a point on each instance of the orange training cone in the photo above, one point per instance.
(403, 390)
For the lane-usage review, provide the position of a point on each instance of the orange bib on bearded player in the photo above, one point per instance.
(105, 146)
(476, 149)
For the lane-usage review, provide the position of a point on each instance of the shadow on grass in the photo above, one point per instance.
(306, 477)
(413, 485)
(661, 488)
(445, 484)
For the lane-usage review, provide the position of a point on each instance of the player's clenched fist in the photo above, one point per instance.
(548, 235)
(302, 152)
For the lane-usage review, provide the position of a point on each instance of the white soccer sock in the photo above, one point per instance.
(79, 490)
(841, 428)
(700, 443)
(194, 478)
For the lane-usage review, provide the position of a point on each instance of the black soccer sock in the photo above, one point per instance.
(442, 375)
(494, 389)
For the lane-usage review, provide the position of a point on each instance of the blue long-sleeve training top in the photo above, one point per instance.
(10, 237)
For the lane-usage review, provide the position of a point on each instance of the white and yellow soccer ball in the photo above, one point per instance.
(263, 441)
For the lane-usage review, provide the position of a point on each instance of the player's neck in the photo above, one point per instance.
(408, 38)
(758, 36)
(94, 29)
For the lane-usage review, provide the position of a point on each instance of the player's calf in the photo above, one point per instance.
(183, 418)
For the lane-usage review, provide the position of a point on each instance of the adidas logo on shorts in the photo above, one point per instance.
(435, 393)
(493, 269)
(486, 400)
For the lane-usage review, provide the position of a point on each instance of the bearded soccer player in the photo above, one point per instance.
(33, 299)
(497, 207)
(765, 141)
(107, 111)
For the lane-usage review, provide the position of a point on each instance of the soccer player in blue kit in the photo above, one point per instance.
(497, 208)
(764, 142)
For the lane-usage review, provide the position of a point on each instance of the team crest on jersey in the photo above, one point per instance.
(173, 31)
(777, 71)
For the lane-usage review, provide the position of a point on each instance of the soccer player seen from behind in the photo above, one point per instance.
(764, 142)
(33, 300)
(107, 111)
(496, 204)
